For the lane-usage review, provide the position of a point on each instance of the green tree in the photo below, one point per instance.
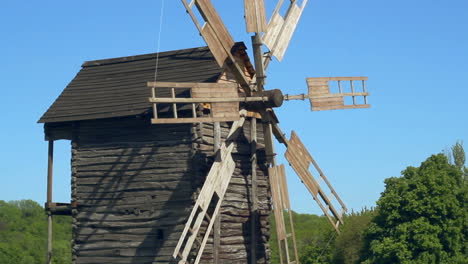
(421, 217)
(348, 245)
(456, 156)
(23, 234)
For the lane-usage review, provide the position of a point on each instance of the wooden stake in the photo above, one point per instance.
(50, 165)
(217, 223)
(254, 193)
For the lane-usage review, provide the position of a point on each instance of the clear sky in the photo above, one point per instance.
(415, 54)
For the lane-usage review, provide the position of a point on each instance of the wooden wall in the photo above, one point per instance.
(135, 184)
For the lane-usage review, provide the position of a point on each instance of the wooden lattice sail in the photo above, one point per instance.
(322, 98)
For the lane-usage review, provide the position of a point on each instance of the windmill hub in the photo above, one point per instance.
(271, 98)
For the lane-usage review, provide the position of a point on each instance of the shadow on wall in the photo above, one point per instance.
(133, 184)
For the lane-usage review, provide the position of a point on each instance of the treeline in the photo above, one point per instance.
(318, 242)
(420, 218)
(23, 234)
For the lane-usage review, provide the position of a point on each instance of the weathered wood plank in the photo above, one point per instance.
(255, 17)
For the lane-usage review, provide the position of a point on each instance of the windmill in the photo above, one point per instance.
(244, 98)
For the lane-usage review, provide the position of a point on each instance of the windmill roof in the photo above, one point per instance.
(117, 87)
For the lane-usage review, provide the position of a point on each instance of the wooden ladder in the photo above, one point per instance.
(209, 200)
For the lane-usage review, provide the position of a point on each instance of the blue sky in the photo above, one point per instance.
(414, 53)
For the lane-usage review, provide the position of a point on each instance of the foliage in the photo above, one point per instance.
(459, 159)
(318, 242)
(458, 155)
(421, 217)
(312, 233)
(23, 234)
(348, 245)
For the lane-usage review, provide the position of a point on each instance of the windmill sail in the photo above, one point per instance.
(322, 98)
(300, 159)
(217, 37)
(280, 29)
(255, 18)
(281, 204)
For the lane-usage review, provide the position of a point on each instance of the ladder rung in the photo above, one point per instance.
(208, 217)
(196, 238)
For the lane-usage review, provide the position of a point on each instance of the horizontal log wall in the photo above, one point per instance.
(135, 183)
(133, 186)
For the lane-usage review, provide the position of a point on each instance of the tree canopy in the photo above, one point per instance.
(23, 234)
(421, 217)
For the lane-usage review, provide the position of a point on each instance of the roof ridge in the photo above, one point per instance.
(147, 56)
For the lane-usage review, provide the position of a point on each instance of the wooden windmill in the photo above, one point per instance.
(246, 98)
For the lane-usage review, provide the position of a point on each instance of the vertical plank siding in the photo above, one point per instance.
(135, 183)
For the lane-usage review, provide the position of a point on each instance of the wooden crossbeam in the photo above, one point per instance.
(300, 160)
(222, 99)
(211, 194)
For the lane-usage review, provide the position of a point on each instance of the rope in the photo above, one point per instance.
(159, 41)
(323, 250)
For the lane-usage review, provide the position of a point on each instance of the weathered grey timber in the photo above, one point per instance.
(134, 183)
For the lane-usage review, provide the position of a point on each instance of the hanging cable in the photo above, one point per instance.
(153, 89)
(159, 41)
(325, 248)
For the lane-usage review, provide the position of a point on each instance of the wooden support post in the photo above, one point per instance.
(50, 165)
(217, 223)
(258, 56)
(254, 193)
(269, 144)
(270, 156)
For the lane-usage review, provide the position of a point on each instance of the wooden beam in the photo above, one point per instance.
(192, 120)
(50, 169)
(355, 78)
(218, 39)
(208, 99)
(255, 18)
(254, 192)
(259, 66)
(217, 223)
(322, 108)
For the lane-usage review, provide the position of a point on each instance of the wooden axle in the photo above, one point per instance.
(279, 98)
(271, 98)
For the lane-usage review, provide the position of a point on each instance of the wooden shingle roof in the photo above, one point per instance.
(117, 87)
